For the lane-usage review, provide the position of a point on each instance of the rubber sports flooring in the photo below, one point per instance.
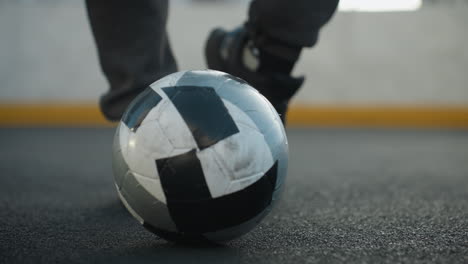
(352, 196)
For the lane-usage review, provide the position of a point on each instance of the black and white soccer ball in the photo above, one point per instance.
(200, 155)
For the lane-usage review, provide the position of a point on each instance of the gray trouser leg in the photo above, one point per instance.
(133, 48)
(295, 22)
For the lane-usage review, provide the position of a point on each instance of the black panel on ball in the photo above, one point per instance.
(140, 107)
(209, 215)
(204, 113)
(182, 178)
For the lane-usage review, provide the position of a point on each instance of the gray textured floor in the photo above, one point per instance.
(352, 196)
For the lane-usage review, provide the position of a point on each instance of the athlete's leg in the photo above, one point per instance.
(133, 48)
(295, 22)
(265, 49)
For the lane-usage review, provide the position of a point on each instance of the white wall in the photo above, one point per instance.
(47, 53)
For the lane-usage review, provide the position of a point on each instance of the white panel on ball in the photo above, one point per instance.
(124, 134)
(175, 129)
(153, 186)
(144, 147)
(129, 208)
(243, 157)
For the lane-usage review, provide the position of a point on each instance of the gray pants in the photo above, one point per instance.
(134, 49)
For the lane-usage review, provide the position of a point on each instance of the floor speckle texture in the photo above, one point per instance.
(352, 196)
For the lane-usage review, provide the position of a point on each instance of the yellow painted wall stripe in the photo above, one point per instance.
(381, 116)
(52, 114)
(88, 114)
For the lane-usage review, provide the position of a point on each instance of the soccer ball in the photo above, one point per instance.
(199, 156)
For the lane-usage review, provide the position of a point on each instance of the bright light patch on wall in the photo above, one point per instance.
(380, 5)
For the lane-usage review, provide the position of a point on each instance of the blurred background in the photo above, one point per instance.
(377, 62)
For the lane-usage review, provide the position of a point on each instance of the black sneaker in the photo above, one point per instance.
(234, 52)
